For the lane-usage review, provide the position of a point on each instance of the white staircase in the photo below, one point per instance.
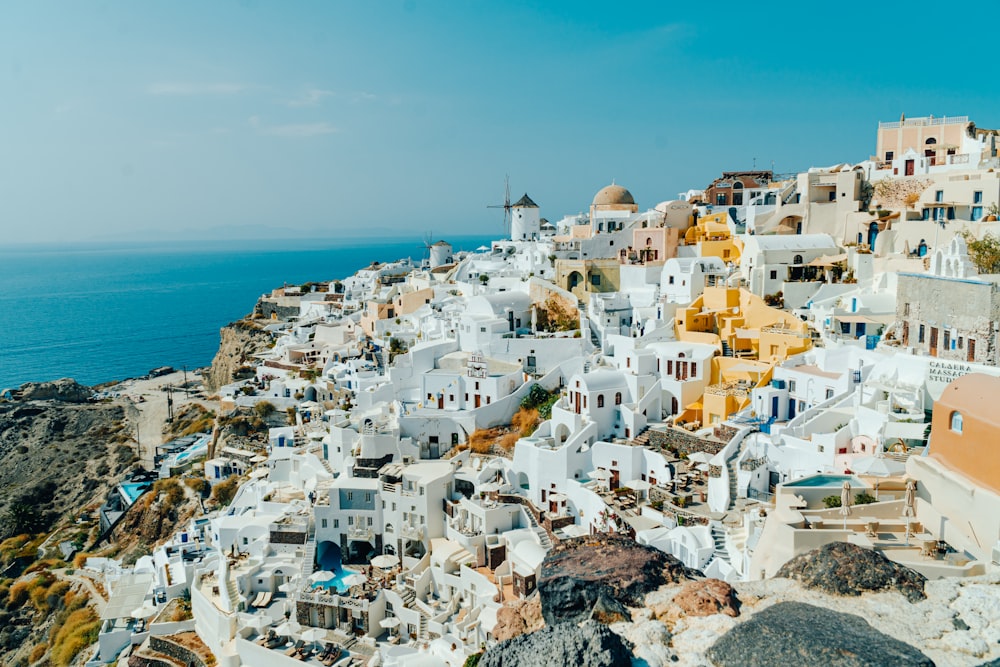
(719, 538)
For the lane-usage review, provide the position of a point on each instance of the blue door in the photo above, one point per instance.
(774, 407)
(791, 408)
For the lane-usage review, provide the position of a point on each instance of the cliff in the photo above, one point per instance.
(239, 341)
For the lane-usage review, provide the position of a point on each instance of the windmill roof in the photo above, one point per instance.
(525, 202)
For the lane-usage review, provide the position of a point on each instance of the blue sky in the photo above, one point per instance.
(150, 120)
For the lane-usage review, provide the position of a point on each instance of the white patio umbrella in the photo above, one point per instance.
(600, 473)
(145, 611)
(845, 501)
(877, 466)
(385, 561)
(908, 510)
(256, 621)
(288, 587)
(355, 579)
(314, 635)
(389, 623)
(321, 575)
(288, 628)
(260, 458)
(699, 457)
(639, 485)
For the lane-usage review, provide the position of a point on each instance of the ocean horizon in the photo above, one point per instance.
(101, 312)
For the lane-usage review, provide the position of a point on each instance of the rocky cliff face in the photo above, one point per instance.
(598, 576)
(55, 457)
(238, 343)
(588, 644)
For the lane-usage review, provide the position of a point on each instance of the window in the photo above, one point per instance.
(618, 398)
(324, 523)
(791, 385)
(670, 366)
(595, 279)
(977, 212)
(694, 369)
(797, 259)
(906, 309)
(720, 199)
(774, 275)
(977, 197)
(939, 195)
(336, 523)
(920, 334)
(600, 400)
(889, 155)
(350, 495)
(670, 280)
(956, 421)
(829, 393)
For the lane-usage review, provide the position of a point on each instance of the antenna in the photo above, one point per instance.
(506, 205)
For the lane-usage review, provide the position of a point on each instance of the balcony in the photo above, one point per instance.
(409, 532)
(360, 533)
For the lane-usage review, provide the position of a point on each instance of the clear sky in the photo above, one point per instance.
(147, 120)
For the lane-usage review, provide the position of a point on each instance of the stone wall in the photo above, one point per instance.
(170, 655)
(967, 310)
(285, 537)
(682, 442)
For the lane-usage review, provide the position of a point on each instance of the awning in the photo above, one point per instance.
(128, 594)
(695, 406)
(865, 319)
(828, 260)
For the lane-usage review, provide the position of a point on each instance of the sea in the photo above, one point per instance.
(101, 313)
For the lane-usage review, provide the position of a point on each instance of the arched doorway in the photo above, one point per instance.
(573, 279)
(329, 556)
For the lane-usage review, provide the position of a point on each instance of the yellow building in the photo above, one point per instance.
(752, 338)
(712, 236)
(583, 276)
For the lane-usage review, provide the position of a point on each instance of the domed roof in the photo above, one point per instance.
(613, 194)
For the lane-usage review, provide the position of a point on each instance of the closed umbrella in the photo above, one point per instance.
(908, 510)
(845, 501)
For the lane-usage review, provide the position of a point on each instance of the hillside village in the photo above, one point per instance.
(737, 376)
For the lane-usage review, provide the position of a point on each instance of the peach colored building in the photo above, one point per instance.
(966, 427)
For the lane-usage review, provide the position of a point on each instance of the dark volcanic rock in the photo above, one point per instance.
(589, 644)
(66, 390)
(841, 568)
(577, 573)
(795, 633)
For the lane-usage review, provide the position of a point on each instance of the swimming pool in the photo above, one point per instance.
(197, 448)
(133, 490)
(826, 481)
(337, 582)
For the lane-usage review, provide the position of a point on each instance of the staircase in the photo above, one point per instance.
(719, 538)
(408, 596)
(232, 592)
(422, 630)
(327, 466)
(309, 559)
(642, 439)
(543, 536)
(726, 350)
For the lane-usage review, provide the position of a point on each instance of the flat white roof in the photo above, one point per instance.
(127, 596)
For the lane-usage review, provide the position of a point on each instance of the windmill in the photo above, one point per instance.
(426, 245)
(505, 205)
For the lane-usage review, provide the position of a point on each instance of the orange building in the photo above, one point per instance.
(965, 429)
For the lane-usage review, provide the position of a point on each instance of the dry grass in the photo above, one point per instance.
(489, 440)
(79, 631)
(37, 652)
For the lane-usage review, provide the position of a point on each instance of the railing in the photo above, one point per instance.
(356, 533)
(923, 122)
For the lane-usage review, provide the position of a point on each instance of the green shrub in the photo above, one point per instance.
(831, 501)
(864, 499)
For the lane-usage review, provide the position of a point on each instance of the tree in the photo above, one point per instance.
(265, 409)
(984, 252)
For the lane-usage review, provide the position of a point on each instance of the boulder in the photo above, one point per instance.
(795, 633)
(705, 598)
(517, 618)
(588, 644)
(841, 568)
(65, 390)
(577, 573)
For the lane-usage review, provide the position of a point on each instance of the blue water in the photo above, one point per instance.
(133, 490)
(107, 313)
(199, 447)
(824, 481)
(337, 583)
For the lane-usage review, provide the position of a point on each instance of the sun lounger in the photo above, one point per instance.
(256, 600)
(296, 648)
(262, 600)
